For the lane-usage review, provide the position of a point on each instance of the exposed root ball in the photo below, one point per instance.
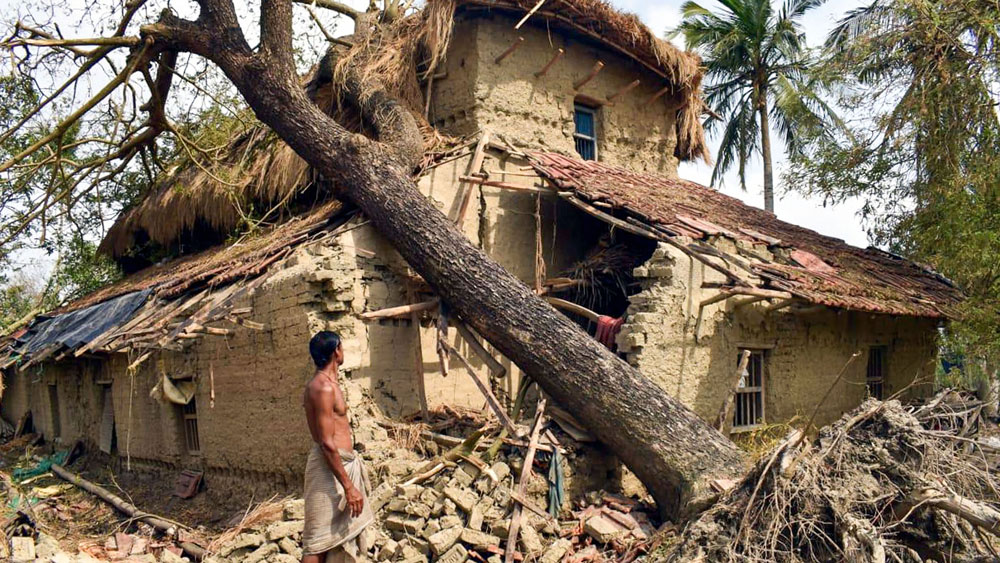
(875, 486)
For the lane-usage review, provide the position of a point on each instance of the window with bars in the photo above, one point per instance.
(875, 379)
(585, 135)
(191, 442)
(749, 411)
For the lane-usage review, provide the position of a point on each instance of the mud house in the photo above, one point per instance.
(554, 145)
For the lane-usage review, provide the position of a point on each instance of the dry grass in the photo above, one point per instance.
(851, 496)
(266, 512)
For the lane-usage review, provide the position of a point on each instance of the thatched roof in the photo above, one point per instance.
(261, 177)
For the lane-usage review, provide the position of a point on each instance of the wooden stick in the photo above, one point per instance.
(657, 95)
(513, 47)
(522, 484)
(419, 360)
(529, 14)
(446, 440)
(475, 165)
(598, 66)
(548, 65)
(495, 367)
(491, 399)
(979, 514)
(727, 405)
(401, 311)
(515, 413)
(161, 524)
(443, 348)
(622, 91)
(573, 308)
(497, 184)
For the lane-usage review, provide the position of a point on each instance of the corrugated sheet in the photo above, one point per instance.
(819, 269)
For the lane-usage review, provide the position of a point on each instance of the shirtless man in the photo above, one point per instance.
(336, 511)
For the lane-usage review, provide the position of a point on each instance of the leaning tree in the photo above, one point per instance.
(669, 448)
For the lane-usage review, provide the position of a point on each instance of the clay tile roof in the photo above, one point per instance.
(814, 267)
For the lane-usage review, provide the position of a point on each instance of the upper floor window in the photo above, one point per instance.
(585, 135)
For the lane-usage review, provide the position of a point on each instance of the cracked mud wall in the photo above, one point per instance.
(804, 351)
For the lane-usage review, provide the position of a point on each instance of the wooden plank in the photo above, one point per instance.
(727, 404)
(491, 399)
(402, 310)
(496, 368)
(522, 484)
(475, 165)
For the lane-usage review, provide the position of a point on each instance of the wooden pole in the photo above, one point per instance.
(401, 311)
(418, 354)
(510, 50)
(496, 368)
(530, 13)
(165, 526)
(622, 91)
(491, 399)
(593, 72)
(573, 308)
(657, 95)
(475, 165)
(727, 405)
(522, 484)
(548, 65)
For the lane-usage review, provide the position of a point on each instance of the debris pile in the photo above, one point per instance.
(884, 483)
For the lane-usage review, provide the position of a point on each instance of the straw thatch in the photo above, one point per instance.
(260, 178)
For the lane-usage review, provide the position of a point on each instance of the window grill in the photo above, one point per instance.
(749, 411)
(875, 379)
(191, 442)
(585, 135)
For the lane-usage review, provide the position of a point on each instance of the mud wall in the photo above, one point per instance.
(537, 112)
(804, 351)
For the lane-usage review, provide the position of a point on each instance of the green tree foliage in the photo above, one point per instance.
(757, 66)
(924, 149)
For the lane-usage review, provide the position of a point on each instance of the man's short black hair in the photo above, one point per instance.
(323, 346)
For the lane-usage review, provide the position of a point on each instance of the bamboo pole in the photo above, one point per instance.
(161, 524)
(510, 50)
(598, 66)
(548, 65)
(522, 484)
(401, 311)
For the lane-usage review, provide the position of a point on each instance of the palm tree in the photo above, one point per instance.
(757, 66)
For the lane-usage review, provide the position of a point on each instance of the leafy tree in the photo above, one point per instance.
(923, 150)
(757, 66)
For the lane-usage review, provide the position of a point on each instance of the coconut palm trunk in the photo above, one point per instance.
(765, 152)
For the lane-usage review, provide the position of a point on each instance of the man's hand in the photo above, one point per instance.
(355, 500)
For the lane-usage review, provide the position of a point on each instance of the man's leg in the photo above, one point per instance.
(314, 558)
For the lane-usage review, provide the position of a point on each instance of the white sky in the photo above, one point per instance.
(839, 221)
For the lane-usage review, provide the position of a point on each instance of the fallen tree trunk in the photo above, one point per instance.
(130, 510)
(669, 448)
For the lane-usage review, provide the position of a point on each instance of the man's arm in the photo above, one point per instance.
(324, 400)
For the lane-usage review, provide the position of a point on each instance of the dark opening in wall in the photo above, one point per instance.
(54, 412)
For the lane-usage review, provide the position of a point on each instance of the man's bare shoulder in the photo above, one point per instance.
(320, 385)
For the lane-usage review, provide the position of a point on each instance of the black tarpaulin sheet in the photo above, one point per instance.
(78, 328)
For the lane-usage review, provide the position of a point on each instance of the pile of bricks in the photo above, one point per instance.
(464, 514)
(277, 541)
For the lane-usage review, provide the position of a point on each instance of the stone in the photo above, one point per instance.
(280, 530)
(409, 491)
(295, 509)
(429, 496)
(441, 541)
(261, 553)
(463, 498)
(420, 545)
(291, 547)
(388, 550)
(457, 554)
(476, 517)
(22, 550)
(501, 470)
(432, 527)
(494, 559)
(241, 541)
(167, 556)
(283, 558)
(46, 546)
(602, 529)
(466, 473)
(381, 495)
(478, 539)
(556, 551)
(502, 497)
(402, 523)
(450, 521)
(413, 508)
(142, 558)
(138, 545)
(501, 528)
(530, 540)
(449, 506)
(407, 551)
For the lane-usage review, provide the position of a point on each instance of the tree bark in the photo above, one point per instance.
(670, 449)
(765, 149)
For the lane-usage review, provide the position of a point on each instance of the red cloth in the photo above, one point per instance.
(608, 329)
